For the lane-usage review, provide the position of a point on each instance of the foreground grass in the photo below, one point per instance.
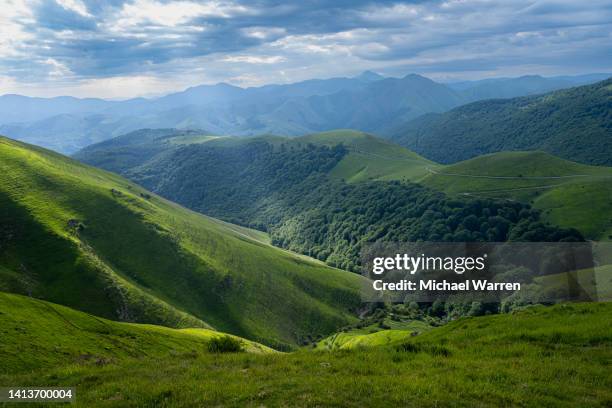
(36, 334)
(555, 356)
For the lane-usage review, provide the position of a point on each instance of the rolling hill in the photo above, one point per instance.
(324, 194)
(367, 157)
(574, 124)
(93, 241)
(539, 356)
(370, 158)
(569, 194)
(39, 334)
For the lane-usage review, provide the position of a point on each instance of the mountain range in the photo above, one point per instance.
(369, 102)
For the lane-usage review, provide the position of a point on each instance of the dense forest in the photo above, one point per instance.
(284, 189)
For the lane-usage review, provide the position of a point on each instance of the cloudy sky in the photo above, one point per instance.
(126, 48)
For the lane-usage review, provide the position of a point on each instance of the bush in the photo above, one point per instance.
(431, 349)
(224, 344)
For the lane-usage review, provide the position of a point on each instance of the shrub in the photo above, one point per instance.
(224, 344)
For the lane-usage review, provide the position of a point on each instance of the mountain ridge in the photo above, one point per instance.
(573, 123)
(368, 102)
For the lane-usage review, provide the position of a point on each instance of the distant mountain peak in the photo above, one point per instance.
(369, 76)
(416, 76)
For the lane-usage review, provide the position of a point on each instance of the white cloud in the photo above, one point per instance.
(14, 14)
(173, 14)
(401, 12)
(264, 33)
(56, 68)
(75, 5)
(252, 59)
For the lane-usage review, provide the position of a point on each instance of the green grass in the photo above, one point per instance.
(191, 139)
(569, 194)
(132, 255)
(38, 334)
(373, 335)
(541, 356)
(371, 158)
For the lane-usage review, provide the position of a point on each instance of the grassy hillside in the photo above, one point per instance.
(133, 149)
(94, 241)
(38, 334)
(367, 158)
(568, 193)
(574, 124)
(541, 356)
(371, 158)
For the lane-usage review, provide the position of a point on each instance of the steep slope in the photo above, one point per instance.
(574, 124)
(568, 193)
(39, 334)
(92, 240)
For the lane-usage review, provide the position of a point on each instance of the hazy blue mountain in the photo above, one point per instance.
(368, 102)
(18, 108)
(521, 86)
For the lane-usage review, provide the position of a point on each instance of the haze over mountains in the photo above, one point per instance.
(368, 102)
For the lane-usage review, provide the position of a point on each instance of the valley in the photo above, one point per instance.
(345, 172)
(230, 203)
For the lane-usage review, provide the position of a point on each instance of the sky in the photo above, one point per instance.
(130, 48)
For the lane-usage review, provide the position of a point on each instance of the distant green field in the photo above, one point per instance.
(570, 194)
(96, 242)
(373, 335)
(371, 158)
(541, 356)
(191, 139)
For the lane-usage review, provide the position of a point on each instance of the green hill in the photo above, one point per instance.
(539, 356)
(91, 240)
(371, 158)
(569, 194)
(133, 149)
(574, 124)
(367, 158)
(38, 334)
